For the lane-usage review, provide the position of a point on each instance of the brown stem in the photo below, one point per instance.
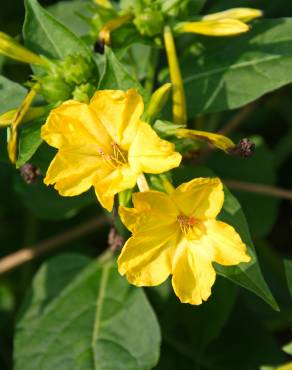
(27, 254)
(271, 191)
(237, 119)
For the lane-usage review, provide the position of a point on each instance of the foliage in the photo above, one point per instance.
(74, 310)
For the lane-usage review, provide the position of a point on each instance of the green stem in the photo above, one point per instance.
(151, 70)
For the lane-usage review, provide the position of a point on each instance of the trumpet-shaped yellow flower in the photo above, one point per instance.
(227, 23)
(104, 144)
(178, 234)
(241, 14)
(219, 141)
(217, 27)
(17, 120)
(12, 49)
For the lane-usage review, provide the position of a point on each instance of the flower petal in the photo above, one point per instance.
(201, 197)
(193, 273)
(152, 209)
(217, 27)
(229, 249)
(12, 49)
(219, 141)
(119, 112)
(148, 153)
(106, 186)
(241, 14)
(146, 259)
(72, 173)
(75, 125)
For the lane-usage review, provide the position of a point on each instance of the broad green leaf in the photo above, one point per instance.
(226, 73)
(190, 327)
(45, 202)
(29, 141)
(115, 75)
(244, 344)
(45, 35)
(80, 315)
(71, 14)
(247, 275)
(11, 94)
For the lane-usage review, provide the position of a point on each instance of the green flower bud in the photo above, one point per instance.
(76, 69)
(54, 89)
(84, 92)
(150, 22)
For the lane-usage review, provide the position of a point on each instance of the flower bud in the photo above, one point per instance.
(76, 69)
(157, 102)
(29, 173)
(245, 148)
(150, 22)
(54, 89)
(83, 92)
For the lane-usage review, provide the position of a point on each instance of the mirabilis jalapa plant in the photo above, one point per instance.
(105, 139)
(103, 129)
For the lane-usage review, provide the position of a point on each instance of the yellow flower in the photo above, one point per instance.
(12, 49)
(178, 234)
(220, 141)
(241, 14)
(104, 144)
(227, 23)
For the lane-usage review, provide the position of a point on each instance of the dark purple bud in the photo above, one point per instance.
(245, 148)
(99, 47)
(115, 240)
(29, 173)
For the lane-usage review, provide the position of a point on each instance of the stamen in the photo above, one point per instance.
(116, 159)
(187, 224)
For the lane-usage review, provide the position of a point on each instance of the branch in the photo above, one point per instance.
(271, 191)
(27, 254)
(237, 119)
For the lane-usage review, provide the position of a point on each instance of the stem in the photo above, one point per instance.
(237, 119)
(142, 183)
(178, 94)
(271, 191)
(27, 254)
(149, 82)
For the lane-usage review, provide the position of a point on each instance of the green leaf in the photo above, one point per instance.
(190, 326)
(29, 141)
(80, 315)
(247, 275)
(11, 94)
(72, 13)
(45, 35)
(45, 202)
(226, 73)
(115, 75)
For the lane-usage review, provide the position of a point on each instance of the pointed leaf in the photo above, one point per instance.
(11, 94)
(227, 73)
(44, 35)
(80, 315)
(115, 75)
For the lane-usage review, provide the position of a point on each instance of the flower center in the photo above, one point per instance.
(190, 226)
(117, 158)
